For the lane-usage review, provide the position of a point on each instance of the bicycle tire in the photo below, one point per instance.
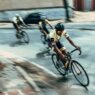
(43, 39)
(25, 37)
(18, 35)
(80, 68)
(59, 66)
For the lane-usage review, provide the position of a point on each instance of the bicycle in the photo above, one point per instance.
(22, 36)
(73, 66)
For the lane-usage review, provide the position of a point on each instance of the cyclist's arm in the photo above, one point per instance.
(72, 43)
(70, 40)
(23, 24)
(48, 23)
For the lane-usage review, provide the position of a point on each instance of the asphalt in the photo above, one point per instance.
(11, 82)
(26, 75)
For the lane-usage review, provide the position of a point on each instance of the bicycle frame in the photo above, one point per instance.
(69, 57)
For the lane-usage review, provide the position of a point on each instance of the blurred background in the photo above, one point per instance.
(51, 7)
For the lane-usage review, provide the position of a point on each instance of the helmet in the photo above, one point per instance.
(17, 15)
(43, 17)
(59, 27)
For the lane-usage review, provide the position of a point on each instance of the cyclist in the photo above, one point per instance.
(54, 40)
(18, 22)
(40, 20)
(43, 25)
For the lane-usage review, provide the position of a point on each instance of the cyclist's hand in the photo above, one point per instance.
(77, 47)
(25, 25)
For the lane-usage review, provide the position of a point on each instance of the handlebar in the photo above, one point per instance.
(76, 50)
(23, 26)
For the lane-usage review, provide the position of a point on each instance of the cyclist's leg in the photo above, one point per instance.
(57, 48)
(41, 30)
(16, 27)
(45, 28)
(62, 49)
(64, 52)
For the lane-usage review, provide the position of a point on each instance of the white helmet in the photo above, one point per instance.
(17, 15)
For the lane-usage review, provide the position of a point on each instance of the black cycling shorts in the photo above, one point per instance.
(58, 44)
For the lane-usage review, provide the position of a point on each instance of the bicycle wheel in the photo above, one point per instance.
(79, 73)
(58, 64)
(25, 37)
(43, 39)
(18, 35)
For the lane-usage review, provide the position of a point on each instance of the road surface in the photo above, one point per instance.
(68, 86)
